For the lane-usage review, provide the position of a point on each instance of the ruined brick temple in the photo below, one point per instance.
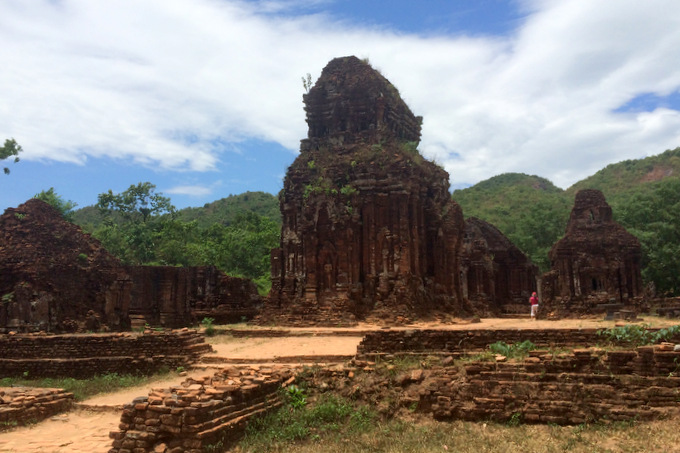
(596, 262)
(369, 228)
(54, 277)
(497, 277)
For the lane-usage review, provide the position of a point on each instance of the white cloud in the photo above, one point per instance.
(168, 83)
(196, 191)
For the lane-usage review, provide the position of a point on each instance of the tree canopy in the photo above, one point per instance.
(138, 203)
(141, 227)
(10, 149)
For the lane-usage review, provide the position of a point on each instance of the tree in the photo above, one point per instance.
(9, 149)
(133, 222)
(65, 208)
(138, 202)
(654, 217)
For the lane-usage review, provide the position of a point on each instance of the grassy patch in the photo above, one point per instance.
(402, 363)
(425, 435)
(512, 351)
(330, 418)
(82, 388)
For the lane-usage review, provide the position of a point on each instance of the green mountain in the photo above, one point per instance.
(630, 175)
(225, 210)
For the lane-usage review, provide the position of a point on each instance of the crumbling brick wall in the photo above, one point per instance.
(199, 413)
(393, 341)
(82, 356)
(496, 276)
(56, 278)
(566, 388)
(24, 405)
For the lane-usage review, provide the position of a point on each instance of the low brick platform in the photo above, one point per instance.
(83, 356)
(23, 405)
(586, 385)
(199, 413)
(571, 389)
(424, 341)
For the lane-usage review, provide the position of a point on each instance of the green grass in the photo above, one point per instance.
(82, 388)
(425, 435)
(512, 351)
(330, 418)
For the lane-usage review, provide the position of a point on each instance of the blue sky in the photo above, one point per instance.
(203, 98)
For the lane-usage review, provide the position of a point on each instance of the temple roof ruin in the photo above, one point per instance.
(596, 262)
(497, 277)
(352, 102)
(50, 270)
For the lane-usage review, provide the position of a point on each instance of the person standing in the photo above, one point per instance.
(533, 300)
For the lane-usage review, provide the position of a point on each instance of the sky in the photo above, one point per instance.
(203, 98)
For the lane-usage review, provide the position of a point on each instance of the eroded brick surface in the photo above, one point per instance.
(23, 405)
(496, 276)
(369, 228)
(56, 278)
(82, 356)
(200, 412)
(596, 263)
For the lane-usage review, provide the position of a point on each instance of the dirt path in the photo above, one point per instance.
(86, 430)
(77, 431)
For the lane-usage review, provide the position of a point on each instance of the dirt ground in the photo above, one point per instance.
(86, 429)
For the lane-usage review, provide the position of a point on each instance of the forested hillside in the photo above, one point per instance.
(141, 227)
(225, 210)
(644, 195)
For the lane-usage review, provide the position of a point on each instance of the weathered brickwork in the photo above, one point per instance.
(369, 230)
(393, 341)
(56, 278)
(585, 385)
(567, 388)
(596, 263)
(545, 390)
(181, 296)
(199, 413)
(23, 405)
(82, 356)
(496, 276)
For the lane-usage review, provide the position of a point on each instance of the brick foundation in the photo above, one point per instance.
(423, 341)
(82, 356)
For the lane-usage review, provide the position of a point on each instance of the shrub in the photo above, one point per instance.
(512, 351)
(207, 324)
(638, 335)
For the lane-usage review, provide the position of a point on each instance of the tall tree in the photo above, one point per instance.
(133, 222)
(138, 202)
(9, 149)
